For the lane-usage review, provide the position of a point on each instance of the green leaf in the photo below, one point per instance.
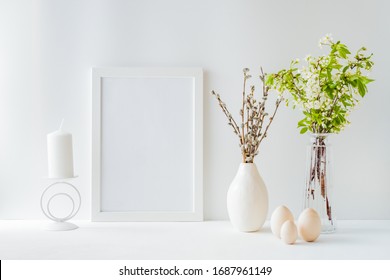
(361, 88)
(345, 103)
(354, 77)
(366, 80)
(328, 72)
(270, 80)
(352, 83)
(345, 49)
(337, 66)
(303, 130)
(329, 91)
(302, 122)
(342, 53)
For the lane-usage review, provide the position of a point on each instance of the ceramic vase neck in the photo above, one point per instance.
(247, 167)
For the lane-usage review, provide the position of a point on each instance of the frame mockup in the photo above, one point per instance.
(147, 144)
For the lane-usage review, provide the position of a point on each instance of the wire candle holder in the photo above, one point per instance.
(60, 223)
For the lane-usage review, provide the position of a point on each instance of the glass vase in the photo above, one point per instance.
(319, 180)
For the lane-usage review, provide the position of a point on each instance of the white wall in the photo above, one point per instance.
(47, 49)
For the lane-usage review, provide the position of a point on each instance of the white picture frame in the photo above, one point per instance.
(147, 144)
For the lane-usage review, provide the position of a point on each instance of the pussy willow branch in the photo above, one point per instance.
(242, 117)
(261, 112)
(270, 121)
(225, 110)
(253, 116)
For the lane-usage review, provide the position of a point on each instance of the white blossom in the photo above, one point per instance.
(327, 39)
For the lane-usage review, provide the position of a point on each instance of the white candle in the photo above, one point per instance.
(60, 154)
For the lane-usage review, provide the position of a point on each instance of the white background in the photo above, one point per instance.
(47, 49)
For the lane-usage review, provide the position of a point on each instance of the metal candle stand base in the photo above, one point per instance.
(60, 223)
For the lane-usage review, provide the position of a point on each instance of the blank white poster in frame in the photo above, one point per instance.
(147, 144)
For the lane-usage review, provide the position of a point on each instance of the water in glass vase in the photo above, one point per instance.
(319, 181)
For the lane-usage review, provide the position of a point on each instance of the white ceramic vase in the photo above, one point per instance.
(247, 199)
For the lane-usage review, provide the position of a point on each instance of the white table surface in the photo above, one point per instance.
(187, 240)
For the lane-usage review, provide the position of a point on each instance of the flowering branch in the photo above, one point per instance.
(327, 88)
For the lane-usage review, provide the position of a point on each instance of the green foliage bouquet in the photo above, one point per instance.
(327, 87)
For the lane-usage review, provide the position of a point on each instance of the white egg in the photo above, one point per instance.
(279, 216)
(309, 225)
(289, 232)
